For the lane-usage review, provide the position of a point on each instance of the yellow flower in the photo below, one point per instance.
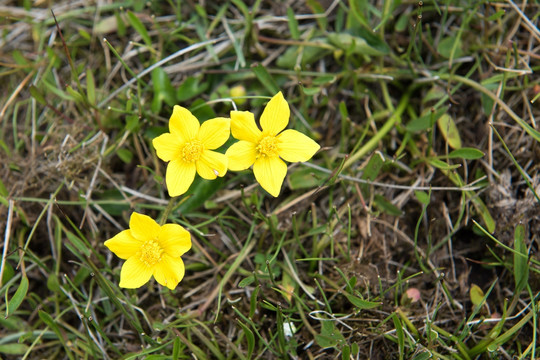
(150, 249)
(263, 149)
(188, 148)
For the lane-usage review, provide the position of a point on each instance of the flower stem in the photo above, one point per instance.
(389, 125)
(167, 211)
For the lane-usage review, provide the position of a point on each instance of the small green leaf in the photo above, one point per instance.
(491, 84)
(293, 24)
(442, 165)
(435, 93)
(305, 178)
(125, 155)
(80, 247)
(53, 284)
(36, 94)
(422, 196)
(400, 335)
(497, 15)
(402, 21)
(476, 294)
(249, 337)
(163, 90)
(449, 131)
(316, 8)
(373, 167)
(361, 303)
(190, 88)
(18, 297)
(265, 78)
(371, 170)
(9, 272)
(106, 25)
(176, 348)
(484, 213)
(426, 120)
(386, 206)
(121, 24)
(90, 87)
(132, 123)
(325, 80)
(13, 349)
(139, 27)
(308, 54)
(521, 266)
(423, 356)
(51, 323)
(359, 45)
(3, 190)
(355, 348)
(466, 153)
(346, 352)
(246, 281)
(75, 94)
(310, 91)
(200, 191)
(330, 336)
(446, 47)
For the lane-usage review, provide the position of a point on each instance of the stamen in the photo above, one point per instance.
(267, 146)
(151, 252)
(192, 151)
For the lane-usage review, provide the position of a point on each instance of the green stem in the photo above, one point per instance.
(167, 211)
(385, 129)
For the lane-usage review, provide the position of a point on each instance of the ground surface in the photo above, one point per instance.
(412, 234)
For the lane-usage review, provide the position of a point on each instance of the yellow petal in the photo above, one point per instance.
(215, 132)
(134, 273)
(167, 146)
(275, 116)
(169, 271)
(123, 244)
(243, 126)
(294, 146)
(143, 227)
(241, 155)
(179, 177)
(174, 240)
(270, 173)
(183, 124)
(212, 164)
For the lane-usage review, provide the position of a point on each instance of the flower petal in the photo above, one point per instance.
(215, 132)
(143, 227)
(212, 164)
(275, 116)
(183, 124)
(179, 177)
(174, 240)
(270, 173)
(169, 271)
(167, 146)
(294, 146)
(134, 273)
(123, 244)
(241, 155)
(243, 126)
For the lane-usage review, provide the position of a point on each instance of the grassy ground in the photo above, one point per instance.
(412, 234)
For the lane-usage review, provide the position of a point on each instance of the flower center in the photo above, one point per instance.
(151, 252)
(267, 146)
(192, 151)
